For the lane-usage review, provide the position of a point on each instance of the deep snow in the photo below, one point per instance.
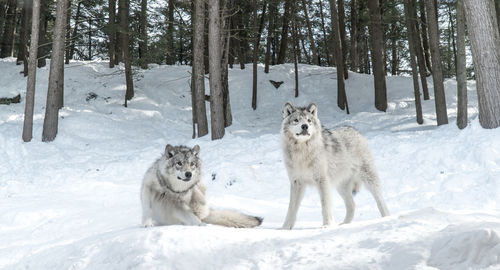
(74, 203)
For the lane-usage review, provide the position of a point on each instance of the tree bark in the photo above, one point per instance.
(111, 30)
(341, 14)
(270, 33)
(143, 43)
(437, 70)
(483, 31)
(198, 68)
(7, 50)
(296, 51)
(50, 122)
(377, 54)
(410, 25)
(67, 44)
(284, 33)
(461, 68)
(255, 52)
(310, 34)
(30, 85)
(23, 34)
(124, 7)
(42, 39)
(425, 36)
(214, 51)
(341, 94)
(228, 117)
(354, 36)
(419, 50)
(170, 34)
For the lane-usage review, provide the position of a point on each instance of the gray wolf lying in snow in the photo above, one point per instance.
(324, 158)
(172, 193)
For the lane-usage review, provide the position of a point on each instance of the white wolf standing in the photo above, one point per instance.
(172, 193)
(324, 158)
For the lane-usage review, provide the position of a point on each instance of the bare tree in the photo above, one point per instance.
(214, 51)
(284, 32)
(30, 86)
(170, 33)
(437, 69)
(377, 39)
(52, 107)
(483, 32)
(111, 30)
(7, 46)
(143, 42)
(310, 33)
(461, 68)
(270, 33)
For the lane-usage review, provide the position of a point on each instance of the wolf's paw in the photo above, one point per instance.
(147, 223)
(286, 227)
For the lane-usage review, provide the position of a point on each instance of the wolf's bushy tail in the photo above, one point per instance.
(232, 218)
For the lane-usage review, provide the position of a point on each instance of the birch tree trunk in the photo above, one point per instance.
(461, 68)
(437, 69)
(485, 44)
(30, 86)
(50, 123)
(198, 67)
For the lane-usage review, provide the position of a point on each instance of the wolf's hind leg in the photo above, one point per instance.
(296, 194)
(345, 192)
(373, 185)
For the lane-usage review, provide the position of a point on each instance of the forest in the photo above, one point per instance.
(425, 39)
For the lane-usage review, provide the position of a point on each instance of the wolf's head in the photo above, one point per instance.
(182, 167)
(300, 123)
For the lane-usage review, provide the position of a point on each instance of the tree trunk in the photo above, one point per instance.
(42, 39)
(425, 36)
(50, 122)
(124, 7)
(284, 33)
(30, 85)
(410, 25)
(89, 57)
(7, 50)
(214, 51)
(341, 94)
(75, 30)
(143, 42)
(437, 70)
(228, 117)
(198, 68)
(170, 33)
(419, 51)
(111, 30)
(461, 68)
(23, 34)
(296, 51)
(354, 36)
(67, 44)
(270, 33)
(377, 54)
(341, 13)
(483, 31)
(255, 52)
(310, 34)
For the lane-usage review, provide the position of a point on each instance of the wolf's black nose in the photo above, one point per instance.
(189, 174)
(304, 127)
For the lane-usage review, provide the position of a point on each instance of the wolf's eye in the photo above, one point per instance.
(192, 164)
(296, 120)
(309, 120)
(179, 163)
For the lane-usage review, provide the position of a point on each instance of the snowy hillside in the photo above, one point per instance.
(74, 203)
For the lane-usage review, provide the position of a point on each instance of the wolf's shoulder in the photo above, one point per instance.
(339, 131)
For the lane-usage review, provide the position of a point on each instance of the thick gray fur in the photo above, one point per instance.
(325, 158)
(172, 193)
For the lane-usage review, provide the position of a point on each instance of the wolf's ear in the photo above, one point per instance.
(313, 108)
(169, 151)
(288, 109)
(196, 150)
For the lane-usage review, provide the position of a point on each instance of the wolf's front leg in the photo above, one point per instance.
(147, 210)
(187, 217)
(296, 194)
(325, 195)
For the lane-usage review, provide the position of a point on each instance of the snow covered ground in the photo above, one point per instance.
(74, 203)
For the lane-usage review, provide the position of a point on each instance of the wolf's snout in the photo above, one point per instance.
(304, 127)
(188, 174)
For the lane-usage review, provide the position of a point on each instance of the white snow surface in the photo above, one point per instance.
(74, 203)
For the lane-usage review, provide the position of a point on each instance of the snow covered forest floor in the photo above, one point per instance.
(74, 203)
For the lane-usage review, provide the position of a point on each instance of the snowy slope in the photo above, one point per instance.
(74, 203)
